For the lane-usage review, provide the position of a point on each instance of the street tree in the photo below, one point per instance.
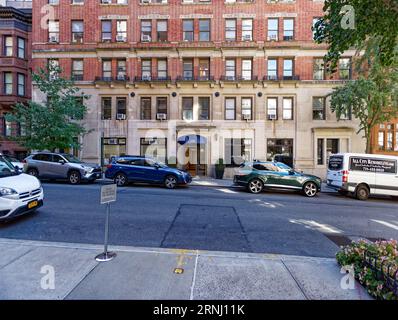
(55, 123)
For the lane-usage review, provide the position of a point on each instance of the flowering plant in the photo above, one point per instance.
(375, 265)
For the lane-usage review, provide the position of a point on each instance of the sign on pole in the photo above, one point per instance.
(108, 195)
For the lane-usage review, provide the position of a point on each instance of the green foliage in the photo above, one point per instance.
(53, 123)
(370, 19)
(386, 254)
(220, 164)
(372, 98)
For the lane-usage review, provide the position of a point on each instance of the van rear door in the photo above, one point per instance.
(335, 167)
(387, 177)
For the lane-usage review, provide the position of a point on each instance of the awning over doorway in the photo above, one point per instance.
(192, 139)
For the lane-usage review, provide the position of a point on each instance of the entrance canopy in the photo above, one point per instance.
(192, 139)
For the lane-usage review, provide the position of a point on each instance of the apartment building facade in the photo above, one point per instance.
(193, 81)
(15, 71)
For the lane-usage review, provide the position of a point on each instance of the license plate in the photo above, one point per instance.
(32, 204)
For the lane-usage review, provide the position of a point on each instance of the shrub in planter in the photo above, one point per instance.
(220, 168)
(375, 266)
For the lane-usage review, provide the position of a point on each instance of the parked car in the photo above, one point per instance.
(127, 169)
(257, 176)
(15, 162)
(49, 165)
(363, 174)
(19, 192)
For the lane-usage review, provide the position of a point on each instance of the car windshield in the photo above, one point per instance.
(71, 158)
(6, 168)
(283, 166)
(11, 159)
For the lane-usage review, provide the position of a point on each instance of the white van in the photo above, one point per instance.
(363, 174)
(20, 193)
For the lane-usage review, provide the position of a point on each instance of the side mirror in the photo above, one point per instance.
(61, 161)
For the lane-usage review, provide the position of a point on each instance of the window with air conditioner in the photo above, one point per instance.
(121, 31)
(53, 31)
(247, 109)
(146, 70)
(247, 29)
(121, 108)
(272, 108)
(121, 69)
(146, 30)
(272, 34)
(161, 108)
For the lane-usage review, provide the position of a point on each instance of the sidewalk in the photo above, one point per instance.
(228, 183)
(144, 273)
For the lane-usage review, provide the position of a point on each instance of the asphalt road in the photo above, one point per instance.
(207, 218)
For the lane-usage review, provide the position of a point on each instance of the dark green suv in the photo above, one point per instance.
(257, 176)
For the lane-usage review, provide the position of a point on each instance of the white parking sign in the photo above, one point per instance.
(108, 193)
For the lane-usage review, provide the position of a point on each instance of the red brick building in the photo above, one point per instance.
(243, 78)
(15, 72)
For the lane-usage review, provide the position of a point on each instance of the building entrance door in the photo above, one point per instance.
(194, 153)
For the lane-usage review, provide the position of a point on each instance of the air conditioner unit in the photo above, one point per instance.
(247, 37)
(246, 116)
(273, 37)
(161, 116)
(272, 117)
(146, 38)
(121, 77)
(54, 39)
(121, 39)
(146, 78)
(121, 116)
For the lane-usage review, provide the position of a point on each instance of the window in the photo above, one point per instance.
(237, 151)
(162, 30)
(188, 69)
(280, 150)
(318, 108)
(287, 109)
(272, 108)
(77, 70)
(247, 109)
(161, 105)
(146, 70)
(53, 2)
(288, 29)
(121, 31)
(146, 30)
(204, 108)
(314, 21)
(247, 69)
(230, 29)
(106, 105)
(106, 27)
(332, 147)
(389, 140)
(345, 69)
(272, 29)
(230, 71)
(77, 31)
(346, 115)
(319, 69)
(187, 108)
(396, 138)
(107, 69)
(288, 69)
(162, 69)
(204, 69)
(53, 63)
(320, 156)
(21, 84)
(8, 83)
(272, 69)
(146, 109)
(380, 140)
(204, 30)
(77, 1)
(21, 48)
(8, 46)
(7, 128)
(53, 31)
(247, 29)
(230, 109)
(121, 70)
(187, 27)
(155, 148)
(121, 108)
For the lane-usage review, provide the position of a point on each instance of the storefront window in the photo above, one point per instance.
(113, 147)
(237, 151)
(155, 148)
(280, 150)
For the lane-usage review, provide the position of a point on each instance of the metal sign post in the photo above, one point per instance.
(108, 195)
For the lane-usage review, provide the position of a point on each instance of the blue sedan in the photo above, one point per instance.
(124, 170)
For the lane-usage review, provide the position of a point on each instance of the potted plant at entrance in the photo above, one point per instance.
(220, 167)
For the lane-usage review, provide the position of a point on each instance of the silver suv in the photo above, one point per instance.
(48, 165)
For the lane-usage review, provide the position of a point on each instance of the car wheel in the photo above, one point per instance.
(170, 182)
(310, 189)
(255, 186)
(33, 172)
(74, 177)
(362, 192)
(120, 179)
